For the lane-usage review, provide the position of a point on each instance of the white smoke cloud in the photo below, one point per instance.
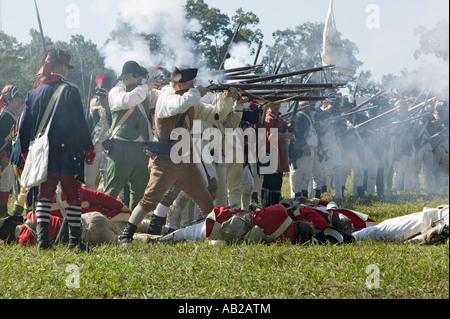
(431, 76)
(167, 19)
(239, 55)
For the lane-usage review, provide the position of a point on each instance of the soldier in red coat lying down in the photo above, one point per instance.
(296, 222)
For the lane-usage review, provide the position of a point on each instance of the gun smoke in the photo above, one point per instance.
(130, 20)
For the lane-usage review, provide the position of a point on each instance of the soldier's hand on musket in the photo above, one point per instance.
(231, 92)
(432, 237)
(203, 91)
(152, 85)
(242, 99)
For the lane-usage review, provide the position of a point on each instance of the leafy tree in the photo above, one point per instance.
(11, 63)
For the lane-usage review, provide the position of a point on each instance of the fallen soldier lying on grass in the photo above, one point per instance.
(312, 220)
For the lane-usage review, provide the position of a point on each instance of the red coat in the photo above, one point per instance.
(282, 125)
(319, 219)
(27, 238)
(271, 220)
(94, 201)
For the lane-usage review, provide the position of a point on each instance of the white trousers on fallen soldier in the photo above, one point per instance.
(402, 227)
(194, 232)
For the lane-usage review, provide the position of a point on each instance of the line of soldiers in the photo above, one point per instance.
(384, 147)
(325, 149)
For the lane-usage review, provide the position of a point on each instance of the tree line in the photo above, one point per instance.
(292, 49)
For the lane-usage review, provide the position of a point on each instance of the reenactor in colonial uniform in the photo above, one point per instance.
(353, 144)
(10, 105)
(177, 106)
(126, 161)
(330, 147)
(67, 151)
(305, 144)
(98, 119)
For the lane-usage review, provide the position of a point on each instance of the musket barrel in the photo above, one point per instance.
(268, 86)
(289, 74)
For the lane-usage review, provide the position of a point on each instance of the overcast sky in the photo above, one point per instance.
(382, 29)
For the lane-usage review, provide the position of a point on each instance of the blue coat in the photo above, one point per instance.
(69, 135)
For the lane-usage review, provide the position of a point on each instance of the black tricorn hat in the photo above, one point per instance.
(8, 226)
(132, 68)
(181, 75)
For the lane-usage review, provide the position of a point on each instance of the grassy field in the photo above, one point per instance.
(364, 270)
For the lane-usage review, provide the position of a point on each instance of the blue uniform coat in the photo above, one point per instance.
(69, 135)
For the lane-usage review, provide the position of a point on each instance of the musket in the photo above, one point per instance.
(82, 77)
(236, 32)
(88, 103)
(277, 92)
(6, 145)
(346, 114)
(40, 27)
(420, 104)
(285, 75)
(367, 101)
(257, 52)
(242, 68)
(275, 86)
(376, 117)
(440, 137)
(291, 113)
(234, 77)
(279, 64)
(280, 99)
(432, 224)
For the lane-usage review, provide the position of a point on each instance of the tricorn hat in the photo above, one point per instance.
(182, 75)
(132, 68)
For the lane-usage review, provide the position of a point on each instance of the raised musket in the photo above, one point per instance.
(346, 114)
(241, 68)
(257, 52)
(367, 101)
(236, 32)
(285, 75)
(375, 118)
(275, 86)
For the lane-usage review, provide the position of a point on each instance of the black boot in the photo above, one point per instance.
(156, 225)
(297, 195)
(275, 197)
(265, 197)
(127, 235)
(255, 197)
(360, 190)
(43, 236)
(75, 239)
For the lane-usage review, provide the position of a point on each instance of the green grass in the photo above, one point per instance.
(203, 271)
